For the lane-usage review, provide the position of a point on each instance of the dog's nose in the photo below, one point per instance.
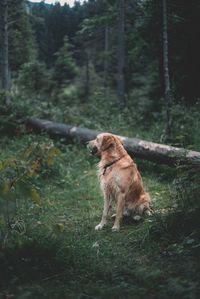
(94, 150)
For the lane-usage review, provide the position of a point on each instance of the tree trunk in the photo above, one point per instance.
(167, 88)
(87, 77)
(158, 153)
(4, 51)
(106, 49)
(121, 55)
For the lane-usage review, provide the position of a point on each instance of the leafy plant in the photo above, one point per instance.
(19, 176)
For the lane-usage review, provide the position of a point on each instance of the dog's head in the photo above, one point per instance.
(104, 142)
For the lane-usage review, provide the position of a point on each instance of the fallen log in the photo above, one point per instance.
(155, 152)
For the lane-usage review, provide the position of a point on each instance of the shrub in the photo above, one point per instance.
(180, 222)
(20, 176)
(187, 188)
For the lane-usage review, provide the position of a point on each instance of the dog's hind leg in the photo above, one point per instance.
(119, 212)
(144, 209)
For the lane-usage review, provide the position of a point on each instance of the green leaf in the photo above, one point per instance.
(35, 196)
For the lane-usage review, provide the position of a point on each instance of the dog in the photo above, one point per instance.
(120, 180)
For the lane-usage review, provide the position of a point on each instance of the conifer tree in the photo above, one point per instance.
(167, 88)
(5, 75)
(65, 68)
(121, 55)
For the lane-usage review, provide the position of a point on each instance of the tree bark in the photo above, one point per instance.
(106, 49)
(121, 55)
(167, 88)
(4, 51)
(87, 76)
(158, 153)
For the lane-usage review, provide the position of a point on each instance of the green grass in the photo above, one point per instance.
(53, 250)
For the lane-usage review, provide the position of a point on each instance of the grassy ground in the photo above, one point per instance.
(53, 251)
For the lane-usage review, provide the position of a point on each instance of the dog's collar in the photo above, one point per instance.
(111, 163)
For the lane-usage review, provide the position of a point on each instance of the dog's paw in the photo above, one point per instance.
(137, 217)
(99, 226)
(115, 228)
(148, 212)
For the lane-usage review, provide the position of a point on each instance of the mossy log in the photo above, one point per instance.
(155, 152)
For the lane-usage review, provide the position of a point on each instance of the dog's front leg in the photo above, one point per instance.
(107, 205)
(119, 212)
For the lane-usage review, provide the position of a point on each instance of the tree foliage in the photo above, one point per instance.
(65, 68)
(22, 45)
(40, 29)
(19, 175)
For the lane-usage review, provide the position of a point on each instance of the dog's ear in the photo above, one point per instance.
(107, 143)
(120, 139)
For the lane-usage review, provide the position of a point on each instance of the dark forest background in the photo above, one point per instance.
(71, 59)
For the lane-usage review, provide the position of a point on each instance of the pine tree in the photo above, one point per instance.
(65, 68)
(22, 44)
(5, 75)
(167, 88)
(121, 55)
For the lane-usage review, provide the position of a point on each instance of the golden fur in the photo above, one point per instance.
(120, 179)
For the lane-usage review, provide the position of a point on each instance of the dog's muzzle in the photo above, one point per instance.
(92, 149)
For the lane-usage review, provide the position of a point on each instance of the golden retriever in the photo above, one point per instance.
(120, 180)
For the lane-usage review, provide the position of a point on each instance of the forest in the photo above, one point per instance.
(129, 67)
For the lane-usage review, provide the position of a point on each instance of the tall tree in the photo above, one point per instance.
(106, 49)
(22, 44)
(65, 68)
(87, 75)
(90, 40)
(167, 88)
(4, 50)
(121, 55)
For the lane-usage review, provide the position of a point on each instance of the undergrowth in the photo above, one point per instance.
(51, 249)
(100, 112)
